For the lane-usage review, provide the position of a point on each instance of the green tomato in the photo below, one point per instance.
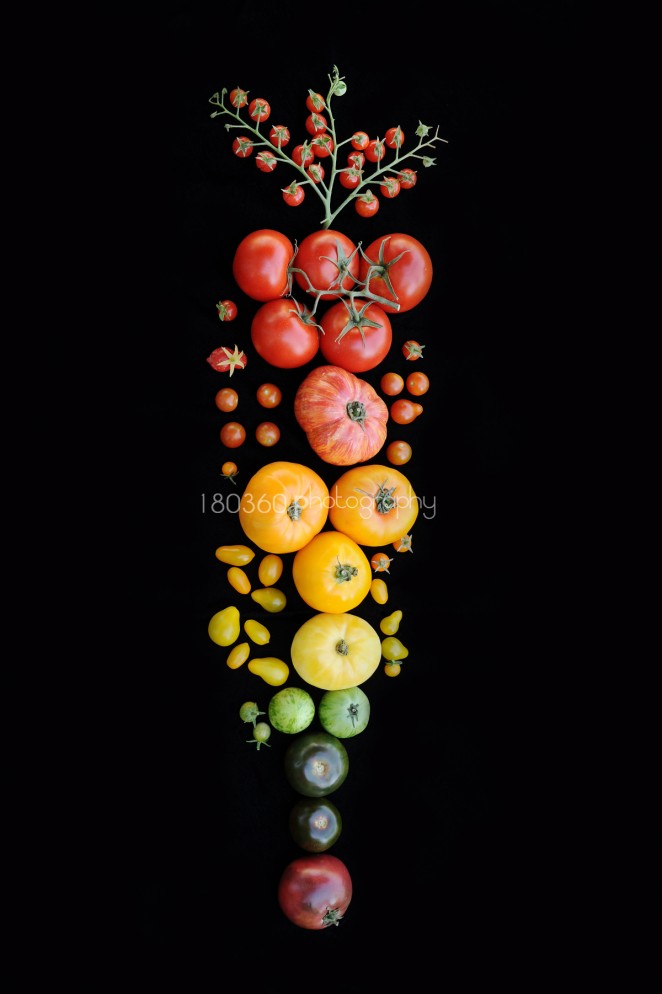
(291, 710)
(316, 764)
(315, 824)
(249, 711)
(344, 713)
(261, 733)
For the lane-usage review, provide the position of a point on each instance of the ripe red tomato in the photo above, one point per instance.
(269, 395)
(238, 97)
(284, 334)
(322, 145)
(375, 150)
(418, 384)
(402, 260)
(407, 178)
(242, 146)
(316, 172)
(329, 260)
(279, 135)
(404, 411)
(356, 340)
(395, 137)
(389, 187)
(259, 109)
(226, 399)
(412, 350)
(366, 205)
(227, 310)
(316, 123)
(303, 155)
(294, 194)
(392, 384)
(315, 102)
(356, 160)
(267, 433)
(233, 434)
(261, 263)
(266, 161)
(360, 140)
(314, 891)
(349, 178)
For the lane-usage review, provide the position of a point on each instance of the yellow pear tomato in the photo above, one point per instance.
(332, 573)
(270, 598)
(272, 670)
(335, 651)
(283, 506)
(390, 624)
(374, 505)
(379, 591)
(257, 632)
(224, 626)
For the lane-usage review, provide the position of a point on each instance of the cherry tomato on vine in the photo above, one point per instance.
(395, 137)
(349, 178)
(284, 334)
(269, 395)
(233, 434)
(418, 383)
(316, 124)
(316, 172)
(303, 155)
(398, 453)
(360, 140)
(412, 350)
(238, 97)
(279, 135)
(404, 411)
(259, 109)
(267, 433)
(261, 263)
(266, 162)
(358, 342)
(380, 562)
(227, 310)
(226, 399)
(242, 146)
(375, 150)
(356, 160)
(322, 145)
(294, 194)
(392, 384)
(407, 178)
(390, 187)
(229, 470)
(315, 102)
(366, 205)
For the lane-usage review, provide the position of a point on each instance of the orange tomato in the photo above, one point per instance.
(392, 384)
(418, 383)
(404, 411)
(373, 504)
(284, 505)
(332, 573)
(398, 452)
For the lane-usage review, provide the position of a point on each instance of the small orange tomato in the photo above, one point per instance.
(267, 433)
(403, 544)
(229, 470)
(233, 434)
(392, 384)
(226, 399)
(404, 411)
(270, 569)
(380, 562)
(412, 350)
(238, 579)
(393, 668)
(269, 395)
(418, 384)
(398, 453)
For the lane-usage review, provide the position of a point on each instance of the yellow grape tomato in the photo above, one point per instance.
(393, 649)
(257, 632)
(239, 580)
(224, 626)
(235, 555)
(238, 655)
(390, 624)
(272, 670)
(379, 591)
(270, 569)
(270, 598)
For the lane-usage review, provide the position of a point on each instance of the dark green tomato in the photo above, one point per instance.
(316, 764)
(315, 824)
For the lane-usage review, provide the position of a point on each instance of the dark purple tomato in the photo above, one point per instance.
(315, 824)
(316, 764)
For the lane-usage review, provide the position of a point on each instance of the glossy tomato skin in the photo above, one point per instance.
(316, 764)
(315, 823)
(315, 891)
(330, 260)
(363, 346)
(282, 336)
(261, 263)
(410, 276)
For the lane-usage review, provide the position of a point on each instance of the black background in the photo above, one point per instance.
(451, 832)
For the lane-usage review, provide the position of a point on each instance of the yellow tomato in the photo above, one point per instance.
(379, 591)
(332, 573)
(239, 580)
(270, 570)
(223, 627)
(393, 649)
(238, 655)
(374, 505)
(392, 669)
(270, 598)
(390, 624)
(284, 505)
(335, 651)
(236, 555)
(257, 632)
(273, 671)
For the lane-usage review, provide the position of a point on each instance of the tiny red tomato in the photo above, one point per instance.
(392, 384)
(316, 172)
(322, 145)
(404, 411)
(390, 187)
(380, 562)
(403, 544)
(407, 178)
(412, 350)
(229, 470)
(238, 97)
(398, 453)
(418, 383)
(349, 178)
(267, 433)
(226, 399)
(375, 150)
(303, 155)
(225, 361)
(259, 109)
(266, 162)
(316, 124)
(269, 395)
(233, 434)
(360, 140)
(227, 310)
(395, 137)
(356, 160)
(279, 135)
(293, 194)
(366, 205)
(242, 147)
(315, 102)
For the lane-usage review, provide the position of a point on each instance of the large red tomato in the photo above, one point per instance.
(284, 334)
(357, 336)
(329, 260)
(261, 264)
(314, 891)
(402, 269)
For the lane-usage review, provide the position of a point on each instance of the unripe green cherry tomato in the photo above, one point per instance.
(272, 670)
(224, 626)
(393, 649)
(390, 624)
(261, 733)
(270, 598)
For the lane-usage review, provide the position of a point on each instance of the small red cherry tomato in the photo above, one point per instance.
(242, 146)
(412, 350)
(225, 361)
(349, 178)
(418, 383)
(322, 145)
(407, 178)
(294, 194)
(315, 102)
(266, 162)
(404, 411)
(316, 172)
(360, 140)
(356, 160)
(395, 137)
(366, 205)
(398, 453)
(259, 109)
(233, 434)
(375, 150)
(279, 135)
(316, 124)
(267, 433)
(269, 395)
(390, 187)
(226, 399)
(392, 384)
(238, 97)
(303, 155)
(227, 310)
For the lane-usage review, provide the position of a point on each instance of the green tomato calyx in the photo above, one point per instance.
(332, 917)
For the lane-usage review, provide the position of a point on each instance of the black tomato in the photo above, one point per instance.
(316, 764)
(315, 824)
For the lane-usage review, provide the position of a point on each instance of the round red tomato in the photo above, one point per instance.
(315, 891)
(261, 263)
(226, 399)
(366, 205)
(329, 260)
(401, 269)
(375, 150)
(233, 434)
(267, 433)
(284, 334)
(294, 194)
(355, 338)
(269, 395)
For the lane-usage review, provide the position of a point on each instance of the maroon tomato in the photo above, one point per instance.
(356, 337)
(401, 269)
(261, 263)
(315, 891)
(329, 260)
(284, 334)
